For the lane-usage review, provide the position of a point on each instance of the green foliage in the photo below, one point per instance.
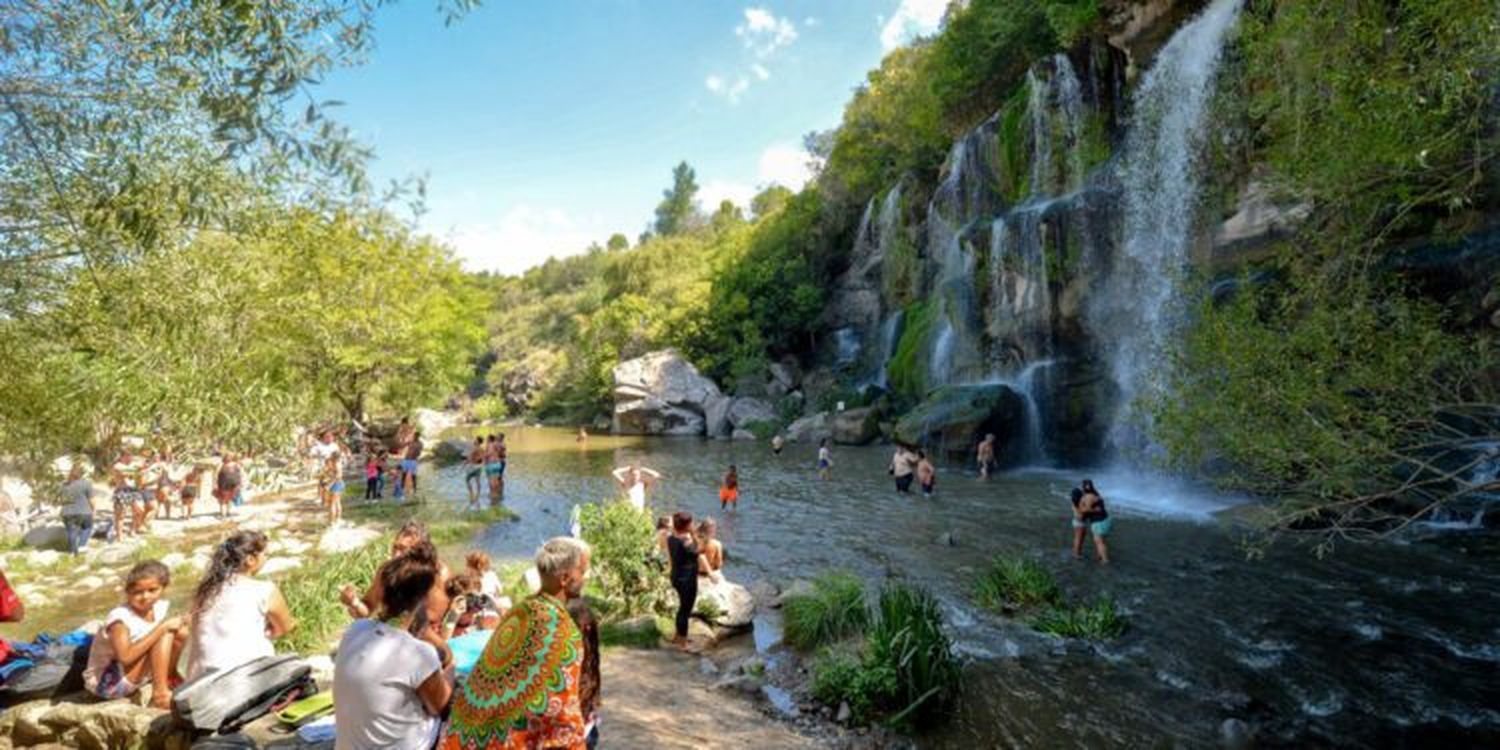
(1381, 114)
(1099, 621)
(906, 674)
(708, 610)
(1016, 582)
(312, 594)
(834, 609)
(615, 634)
(907, 370)
(677, 211)
(630, 576)
(489, 408)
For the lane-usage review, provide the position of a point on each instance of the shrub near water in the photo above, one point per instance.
(312, 594)
(629, 577)
(1016, 582)
(1098, 621)
(834, 609)
(905, 674)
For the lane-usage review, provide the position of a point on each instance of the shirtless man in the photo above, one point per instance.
(474, 476)
(986, 456)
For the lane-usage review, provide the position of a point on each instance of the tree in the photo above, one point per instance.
(726, 216)
(678, 209)
(617, 242)
(769, 200)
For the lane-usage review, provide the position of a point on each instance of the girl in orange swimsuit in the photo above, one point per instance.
(729, 491)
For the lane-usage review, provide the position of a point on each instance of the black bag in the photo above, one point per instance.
(234, 741)
(58, 672)
(226, 700)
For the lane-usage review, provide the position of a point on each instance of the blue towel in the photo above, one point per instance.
(14, 665)
(467, 649)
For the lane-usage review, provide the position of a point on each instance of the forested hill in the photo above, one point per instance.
(1319, 301)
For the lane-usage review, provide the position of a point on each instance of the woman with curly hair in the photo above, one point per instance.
(235, 615)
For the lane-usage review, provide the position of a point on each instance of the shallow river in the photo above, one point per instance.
(1392, 644)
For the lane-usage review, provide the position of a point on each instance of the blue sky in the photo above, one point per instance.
(542, 126)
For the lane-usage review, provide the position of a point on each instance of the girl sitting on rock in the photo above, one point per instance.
(138, 643)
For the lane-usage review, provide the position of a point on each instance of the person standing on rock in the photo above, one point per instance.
(825, 460)
(682, 553)
(633, 480)
(903, 468)
(78, 508)
(524, 691)
(985, 456)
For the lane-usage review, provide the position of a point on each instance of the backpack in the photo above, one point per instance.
(56, 670)
(225, 700)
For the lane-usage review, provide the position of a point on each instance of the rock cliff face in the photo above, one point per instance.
(662, 394)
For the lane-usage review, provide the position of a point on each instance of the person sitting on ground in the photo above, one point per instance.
(228, 483)
(633, 479)
(411, 538)
(469, 607)
(588, 675)
(926, 473)
(138, 643)
(682, 552)
(1089, 512)
(392, 688)
(478, 563)
(710, 551)
(236, 615)
(729, 489)
(78, 508)
(524, 690)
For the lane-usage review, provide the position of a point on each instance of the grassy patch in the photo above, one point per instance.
(616, 634)
(709, 610)
(1098, 621)
(904, 674)
(907, 369)
(312, 594)
(1012, 582)
(834, 609)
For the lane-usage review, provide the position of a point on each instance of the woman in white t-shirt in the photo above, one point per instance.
(236, 616)
(392, 686)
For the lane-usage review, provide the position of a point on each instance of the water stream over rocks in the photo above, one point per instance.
(1379, 645)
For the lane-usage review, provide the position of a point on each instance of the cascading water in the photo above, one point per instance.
(1137, 316)
(1056, 113)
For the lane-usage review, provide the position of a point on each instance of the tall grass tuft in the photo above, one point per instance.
(907, 642)
(312, 594)
(1016, 582)
(1098, 621)
(834, 609)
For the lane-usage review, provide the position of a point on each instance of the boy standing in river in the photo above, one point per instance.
(825, 460)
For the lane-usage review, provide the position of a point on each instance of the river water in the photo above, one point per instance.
(1379, 645)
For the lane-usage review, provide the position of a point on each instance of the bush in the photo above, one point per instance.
(630, 577)
(1098, 621)
(489, 408)
(913, 657)
(834, 609)
(312, 594)
(905, 675)
(1015, 582)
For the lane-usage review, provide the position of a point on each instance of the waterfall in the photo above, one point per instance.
(1162, 174)
(1056, 115)
(890, 334)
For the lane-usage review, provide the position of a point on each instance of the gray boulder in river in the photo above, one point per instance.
(661, 394)
(954, 418)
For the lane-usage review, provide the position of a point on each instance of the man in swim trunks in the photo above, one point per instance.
(474, 477)
(409, 462)
(985, 455)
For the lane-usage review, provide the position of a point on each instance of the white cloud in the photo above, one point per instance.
(760, 71)
(715, 191)
(715, 84)
(784, 164)
(809, 22)
(524, 236)
(914, 18)
(764, 33)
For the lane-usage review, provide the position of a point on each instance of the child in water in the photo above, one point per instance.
(729, 490)
(138, 643)
(926, 473)
(825, 460)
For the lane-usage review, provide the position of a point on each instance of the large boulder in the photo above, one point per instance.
(954, 418)
(661, 394)
(810, 429)
(433, 423)
(733, 602)
(857, 426)
(716, 416)
(744, 413)
(46, 537)
(452, 449)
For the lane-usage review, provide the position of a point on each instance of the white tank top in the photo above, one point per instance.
(637, 495)
(232, 629)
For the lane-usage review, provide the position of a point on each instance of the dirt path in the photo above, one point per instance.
(660, 699)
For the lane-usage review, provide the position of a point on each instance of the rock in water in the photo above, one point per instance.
(955, 418)
(844, 713)
(946, 539)
(744, 413)
(452, 450)
(810, 429)
(856, 426)
(716, 415)
(733, 600)
(433, 423)
(661, 394)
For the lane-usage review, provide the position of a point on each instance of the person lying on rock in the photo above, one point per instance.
(138, 643)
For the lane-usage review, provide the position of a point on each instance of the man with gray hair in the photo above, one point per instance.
(524, 690)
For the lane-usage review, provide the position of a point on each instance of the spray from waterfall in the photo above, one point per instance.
(1162, 180)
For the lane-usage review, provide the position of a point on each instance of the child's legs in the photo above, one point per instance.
(1078, 533)
(336, 508)
(161, 671)
(1101, 548)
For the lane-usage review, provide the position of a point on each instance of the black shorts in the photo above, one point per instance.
(903, 484)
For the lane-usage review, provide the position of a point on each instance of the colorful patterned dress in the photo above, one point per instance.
(523, 692)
